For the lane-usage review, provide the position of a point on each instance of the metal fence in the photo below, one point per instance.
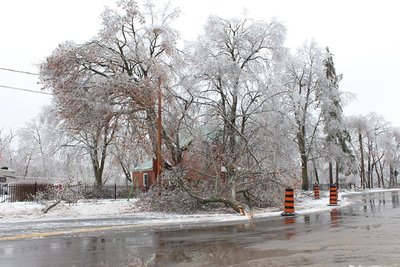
(21, 192)
(105, 192)
(31, 192)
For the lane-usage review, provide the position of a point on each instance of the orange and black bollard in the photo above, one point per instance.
(289, 203)
(316, 191)
(333, 196)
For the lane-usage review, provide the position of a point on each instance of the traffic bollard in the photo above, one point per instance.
(333, 195)
(289, 203)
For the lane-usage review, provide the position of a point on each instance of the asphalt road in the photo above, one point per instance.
(363, 234)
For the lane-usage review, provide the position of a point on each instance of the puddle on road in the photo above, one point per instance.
(220, 255)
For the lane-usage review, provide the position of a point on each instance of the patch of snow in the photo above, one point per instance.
(29, 211)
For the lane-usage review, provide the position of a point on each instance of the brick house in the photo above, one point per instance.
(145, 175)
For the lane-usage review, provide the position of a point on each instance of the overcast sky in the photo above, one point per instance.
(363, 35)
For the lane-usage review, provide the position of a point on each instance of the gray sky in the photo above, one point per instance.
(362, 34)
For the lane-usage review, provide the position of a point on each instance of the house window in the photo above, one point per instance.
(145, 179)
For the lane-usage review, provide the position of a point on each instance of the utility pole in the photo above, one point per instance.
(159, 130)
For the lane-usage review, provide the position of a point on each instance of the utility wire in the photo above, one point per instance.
(19, 71)
(25, 90)
(46, 93)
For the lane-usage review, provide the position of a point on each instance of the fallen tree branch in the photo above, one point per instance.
(235, 206)
(51, 206)
(61, 196)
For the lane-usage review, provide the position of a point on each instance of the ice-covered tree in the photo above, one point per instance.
(392, 157)
(376, 147)
(337, 137)
(233, 62)
(6, 149)
(303, 79)
(113, 77)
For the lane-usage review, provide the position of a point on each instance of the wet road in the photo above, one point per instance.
(363, 234)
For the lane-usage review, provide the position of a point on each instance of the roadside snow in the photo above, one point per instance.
(29, 211)
(16, 211)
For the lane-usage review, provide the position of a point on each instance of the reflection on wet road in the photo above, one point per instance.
(361, 234)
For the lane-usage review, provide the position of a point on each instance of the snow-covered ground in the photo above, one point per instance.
(85, 209)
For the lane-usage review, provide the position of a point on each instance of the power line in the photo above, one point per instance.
(46, 93)
(104, 103)
(25, 90)
(19, 71)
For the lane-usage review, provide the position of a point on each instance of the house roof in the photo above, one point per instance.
(145, 166)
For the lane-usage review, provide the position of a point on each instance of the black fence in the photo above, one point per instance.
(31, 192)
(22, 192)
(105, 192)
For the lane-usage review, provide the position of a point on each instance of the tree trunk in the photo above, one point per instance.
(362, 168)
(377, 175)
(372, 176)
(304, 172)
(330, 173)
(369, 170)
(391, 176)
(381, 167)
(233, 191)
(125, 170)
(316, 173)
(28, 163)
(337, 175)
(304, 158)
(97, 168)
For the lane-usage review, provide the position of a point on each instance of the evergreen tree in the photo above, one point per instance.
(337, 136)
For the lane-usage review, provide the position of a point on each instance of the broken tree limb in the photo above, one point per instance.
(233, 204)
